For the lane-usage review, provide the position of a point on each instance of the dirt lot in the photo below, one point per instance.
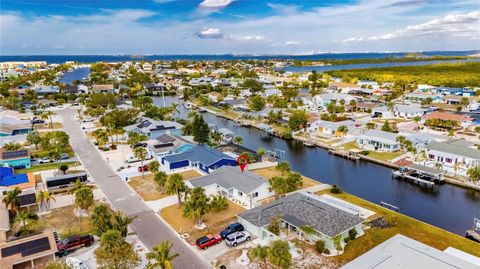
(149, 190)
(215, 221)
(273, 172)
(65, 222)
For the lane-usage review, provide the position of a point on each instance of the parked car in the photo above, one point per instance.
(141, 144)
(87, 120)
(209, 240)
(45, 160)
(75, 263)
(230, 229)
(64, 156)
(37, 121)
(73, 242)
(237, 238)
(143, 168)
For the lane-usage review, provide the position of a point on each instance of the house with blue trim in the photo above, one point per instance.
(155, 128)
(15, 158)
(201, 158)
(12, 126)
(455, 91)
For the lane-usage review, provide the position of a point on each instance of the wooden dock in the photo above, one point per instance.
(407, 177)
(473, 235)
(419, 174)
(345, 154)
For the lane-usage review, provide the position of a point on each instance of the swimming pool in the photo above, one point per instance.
(183, 148)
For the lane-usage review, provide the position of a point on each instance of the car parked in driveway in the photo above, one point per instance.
(209, 240)
(64, 156)
(237, 238)
(45, 160)
(234, 227)
(143, 168)
(75, 263)
(73, 242)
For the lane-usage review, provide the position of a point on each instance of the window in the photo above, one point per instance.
(255, 194)
(448, 160)
(431, 156)
(240, 193)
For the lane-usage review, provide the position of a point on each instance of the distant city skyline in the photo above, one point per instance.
(66, 27)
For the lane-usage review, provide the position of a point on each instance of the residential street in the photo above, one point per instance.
(148, 226)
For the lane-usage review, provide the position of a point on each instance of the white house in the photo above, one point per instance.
(329, 128)
(244, 188)
(399, 110)
(378, 140)
(454, 151)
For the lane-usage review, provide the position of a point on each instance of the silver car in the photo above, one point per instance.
(237, 238)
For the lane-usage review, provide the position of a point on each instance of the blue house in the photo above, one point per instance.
(456, 91)
(15, 158)
(8, 179)
(201, 158)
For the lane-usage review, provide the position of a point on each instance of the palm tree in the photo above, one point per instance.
(438, 165)
(260, 252)
(44, 198)
(391, 106)
(197, 205)
(121, 222)
(141, 154)
(11, 200)
(284, 167)
(153, 167)
(307, 230)
(25, 218)
(161, 179)
(238, 140)
(47, 115)
(161, 256)
(176, 185)
(342, 129)
(175, 109)
(456, 167)
(84, 198)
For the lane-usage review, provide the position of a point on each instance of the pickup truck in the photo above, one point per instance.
(73, 242)
(209, 240)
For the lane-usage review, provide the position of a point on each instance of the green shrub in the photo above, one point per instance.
(335, 189)
(365, 152)
(352, 234)
(320, 246)
(326, 251)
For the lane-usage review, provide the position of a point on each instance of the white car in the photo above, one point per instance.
(45, 160)
(237, 238)
(75, 263)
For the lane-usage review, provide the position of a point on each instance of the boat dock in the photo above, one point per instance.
(420, 174)
(473, 235)
(351, 155)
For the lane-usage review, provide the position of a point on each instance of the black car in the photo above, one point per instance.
(230, 229)
(37, 121)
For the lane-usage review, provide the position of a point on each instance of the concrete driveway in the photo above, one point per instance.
(148, 226)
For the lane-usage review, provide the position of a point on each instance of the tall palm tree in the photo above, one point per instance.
(238, 140)
(141, 154)
(11, 199)
(121, 222)
(25, 218)
(456, 167)
(174, 109)
(176, 185)
(47, 115)
(44, 198)
(391, 106)
(161, 256)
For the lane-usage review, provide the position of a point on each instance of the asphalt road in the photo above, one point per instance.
(147, 225)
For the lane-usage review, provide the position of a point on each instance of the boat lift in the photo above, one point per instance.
(420, 174)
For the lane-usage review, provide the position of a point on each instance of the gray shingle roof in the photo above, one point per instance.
(380, 136)
(457, 147)
(231, 177)
(305, 210)
(202, 154)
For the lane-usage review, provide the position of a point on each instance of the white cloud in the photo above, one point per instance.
(211, 33)
(465, 25)
(215, 3)
(215, 33)
(289, 43)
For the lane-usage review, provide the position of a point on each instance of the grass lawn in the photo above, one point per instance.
(148, 189)
(384, 156)
(350, 145)
(215, 221)
(273, 172)
(46, 166)
(40, 153)
(214, 109)
(46, 126)
(420, 231)
(65, 222)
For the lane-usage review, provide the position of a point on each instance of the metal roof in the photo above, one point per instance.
(455, 147)
(203, 154)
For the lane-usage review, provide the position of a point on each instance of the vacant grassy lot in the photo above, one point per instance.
(420, 231)
(149, 190)
(65, 222)
(43, 167)
(215, 221)
(273, 172)
(46, 126)
(384, 156)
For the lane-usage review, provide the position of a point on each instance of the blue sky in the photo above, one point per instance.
(236, 26)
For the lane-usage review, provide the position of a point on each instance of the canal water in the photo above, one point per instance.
(80, 73)
(448, 207)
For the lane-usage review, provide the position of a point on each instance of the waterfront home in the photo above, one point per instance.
(153, 88)
(329, 128)
(402, 252)
(102, 88)
(13, 126)
(244, 188)
(164, 145)
(68, 89)
(200, 158)
(15, 158)
(342, 87)
(462, 119)
(323, 100)
(421, 97)
(83, 89)
(154, 128)
(421, 140)
(403, 111)
(453, 151)
(331, 223)
(455, 91)
(215, 96)
(31, 251)
(378, 140)
(42, 89)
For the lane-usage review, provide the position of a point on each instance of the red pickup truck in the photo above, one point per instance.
(208, 240)
(73, 242)
(143, 168)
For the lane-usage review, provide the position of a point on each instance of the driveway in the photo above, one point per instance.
(151, 230)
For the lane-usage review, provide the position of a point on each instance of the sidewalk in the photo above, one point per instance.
(157, 205)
